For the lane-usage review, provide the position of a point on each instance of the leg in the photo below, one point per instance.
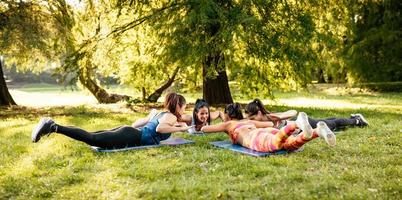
(116, 138)
(313, 122)
(307, 134)
(334, 123)
(295, 142)
(322, 130)
(266, 139)
(279, 137)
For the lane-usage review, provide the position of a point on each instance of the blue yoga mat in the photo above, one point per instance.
(168, 142)
(238, 148)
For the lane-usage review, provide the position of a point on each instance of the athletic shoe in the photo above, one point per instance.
(361, 121)
(302, 123)
(324, 132)
(280, 124)
(43, 128)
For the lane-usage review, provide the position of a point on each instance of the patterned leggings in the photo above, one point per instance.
(272, 139)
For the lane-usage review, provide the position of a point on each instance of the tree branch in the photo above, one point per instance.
(130, 25)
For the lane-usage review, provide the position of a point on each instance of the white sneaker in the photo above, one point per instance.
(361, 121)
(302, 123)
(44, 127)
(324, 132)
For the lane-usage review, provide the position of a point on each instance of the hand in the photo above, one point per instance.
(180, 124)
(185, 128)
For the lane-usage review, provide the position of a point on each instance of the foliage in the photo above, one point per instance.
(29, 77)
(269, 44)
(382, 86)
(263, 45)
(25, 34)
(375, 47)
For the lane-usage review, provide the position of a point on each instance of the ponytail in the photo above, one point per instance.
(234, 111)
(253, 107)
(172, 100)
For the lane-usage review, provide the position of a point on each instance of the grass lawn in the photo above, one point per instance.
(365, 164)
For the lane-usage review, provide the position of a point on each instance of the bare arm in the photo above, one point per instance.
(283, 115)
(168, 124)
(215, 128)
(142, 121)
(263, 124)
(216, 115)
(187, 119)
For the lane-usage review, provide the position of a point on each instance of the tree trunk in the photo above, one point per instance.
(5, 97)
(320, 75)
(100, 94)
(215, 89)
(155, 95)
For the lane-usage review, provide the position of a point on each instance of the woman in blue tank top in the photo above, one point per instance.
(146, 131)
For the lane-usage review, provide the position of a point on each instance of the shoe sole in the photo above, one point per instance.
(362, 118)
(324, 132)
(303, 124)
(35, 132)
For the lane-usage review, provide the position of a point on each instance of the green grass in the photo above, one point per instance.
(365, 164)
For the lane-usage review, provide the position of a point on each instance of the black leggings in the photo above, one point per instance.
(333, 123)
(119, 137)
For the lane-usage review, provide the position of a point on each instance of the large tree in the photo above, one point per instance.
(5, 97)
(91, 51)
(262, 44)
(24, 34)
(35, 33)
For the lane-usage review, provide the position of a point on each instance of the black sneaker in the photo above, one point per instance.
(43, 128)
(361, 121)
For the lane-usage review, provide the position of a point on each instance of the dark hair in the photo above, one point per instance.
(253, 107)
(171, 101)
(234, 111)
(200, 103)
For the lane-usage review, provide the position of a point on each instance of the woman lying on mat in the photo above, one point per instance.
(201, 116)
(255, 110)
(261, 136)
(155, 128)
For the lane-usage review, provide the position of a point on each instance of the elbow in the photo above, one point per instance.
(159, 129)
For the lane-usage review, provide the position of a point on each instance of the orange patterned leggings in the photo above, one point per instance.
(272, 139)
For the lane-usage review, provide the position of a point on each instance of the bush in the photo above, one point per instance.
(382, 86)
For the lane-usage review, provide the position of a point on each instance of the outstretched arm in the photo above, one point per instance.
(283, 115)
(216, 115)
(215, 128)
(264, 124)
